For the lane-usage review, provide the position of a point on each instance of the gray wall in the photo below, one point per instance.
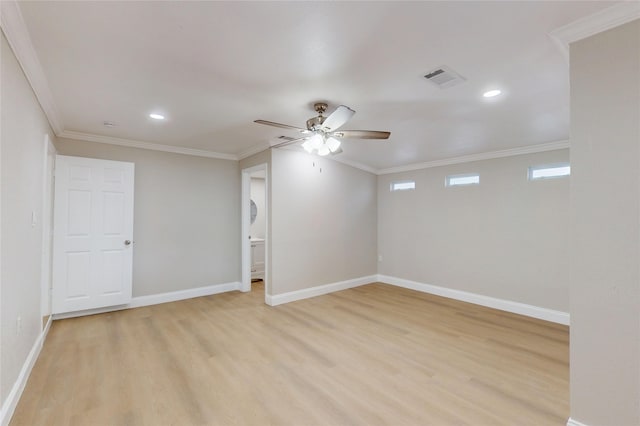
(605, 237)
(323, 222)
(505, 238)
(186, 217)
(22, 161)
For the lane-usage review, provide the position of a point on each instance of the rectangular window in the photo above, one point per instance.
(458, 180)
(403, 185)
(549, 171)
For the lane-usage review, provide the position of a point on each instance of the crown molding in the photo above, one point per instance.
(598, 22)
(531, 149)
(259, 148)
(354, 164)
(145, 145)
(251, 151)
(15, 30)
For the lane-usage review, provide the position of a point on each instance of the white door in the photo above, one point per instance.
(93, 234)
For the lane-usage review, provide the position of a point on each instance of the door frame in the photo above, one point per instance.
(48, 176)
(246, 228)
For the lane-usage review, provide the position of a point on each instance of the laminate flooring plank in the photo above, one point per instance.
(371, 355)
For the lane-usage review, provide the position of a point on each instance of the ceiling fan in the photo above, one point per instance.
(322, 134)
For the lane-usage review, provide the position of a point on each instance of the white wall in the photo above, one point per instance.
(24, 126)
(505, 238)
(605, 237)
(258, 228)
(186, 217)
(324, 221)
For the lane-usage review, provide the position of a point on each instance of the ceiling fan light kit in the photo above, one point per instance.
(324, 139)
(322, 144)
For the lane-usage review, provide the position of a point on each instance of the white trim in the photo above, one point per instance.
(46, 267)
(46, 328)
(354, 164)
(478, 299)
(251, 151)
(336, 158)
(88, 312)
(89, 137)
(598, 22)
(306, 293)
(156, 299)
(245, 230)
(9, 405)
(174, 296)
(530, 149)
(18, 37)
(572, 422)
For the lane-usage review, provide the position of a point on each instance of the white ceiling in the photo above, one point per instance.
(214, 67)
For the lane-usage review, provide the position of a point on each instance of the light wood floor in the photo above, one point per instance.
(372, 355)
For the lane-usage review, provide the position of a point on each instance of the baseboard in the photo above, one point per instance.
(572, 422)
(9, 405)
(156, 299)
(306, 293)
(174, 296)
(87, 312)
(47, 327)
(491, 302)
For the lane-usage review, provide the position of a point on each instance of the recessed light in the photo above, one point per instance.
(491, 93)
(157, 116)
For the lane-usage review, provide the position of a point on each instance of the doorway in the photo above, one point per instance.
(255, 227)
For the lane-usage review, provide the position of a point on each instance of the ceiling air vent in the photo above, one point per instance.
(444, 77)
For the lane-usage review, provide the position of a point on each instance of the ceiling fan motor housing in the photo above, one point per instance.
(315, 123)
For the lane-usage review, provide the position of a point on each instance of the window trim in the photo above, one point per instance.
(532, 169)
(447, 180)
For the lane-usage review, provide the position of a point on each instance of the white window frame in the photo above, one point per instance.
(532, 169)
(448, 180)
(392, 186)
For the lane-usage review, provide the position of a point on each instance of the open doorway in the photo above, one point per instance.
(255, 234)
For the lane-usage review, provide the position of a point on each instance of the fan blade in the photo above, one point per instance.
(362, 134)
(341, 115)
(284, 126)
(288, 142)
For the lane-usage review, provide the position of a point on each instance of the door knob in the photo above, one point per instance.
(127, 242)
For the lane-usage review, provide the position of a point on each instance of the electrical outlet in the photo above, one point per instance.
(33, 219)
(18, 325)
(379, 258)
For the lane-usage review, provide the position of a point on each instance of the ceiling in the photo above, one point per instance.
(213, 67)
